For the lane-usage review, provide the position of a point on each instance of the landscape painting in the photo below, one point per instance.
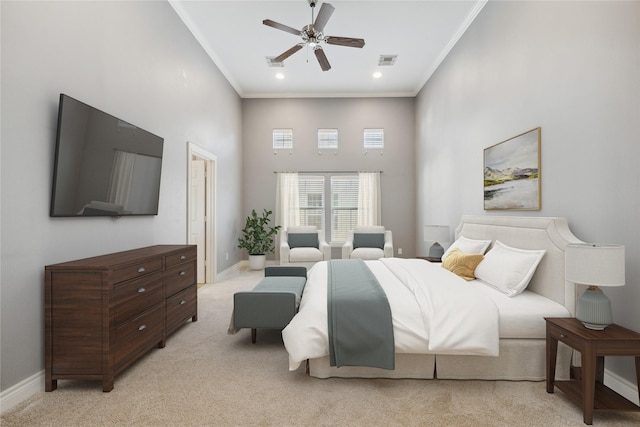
(512, 173)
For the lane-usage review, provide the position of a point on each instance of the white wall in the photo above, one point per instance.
(571, 68)
(350, 116)
(134, 60)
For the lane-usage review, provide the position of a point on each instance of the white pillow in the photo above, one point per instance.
(468, 246)
(508, 269)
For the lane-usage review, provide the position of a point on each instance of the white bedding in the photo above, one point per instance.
(523, 316)
(429, 315)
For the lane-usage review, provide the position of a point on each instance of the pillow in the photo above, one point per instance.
(462, 264)
(303, 240)
(508, 269)
(368, 240)
(468, 246)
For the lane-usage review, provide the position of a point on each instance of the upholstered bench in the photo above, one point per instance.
(272, 303)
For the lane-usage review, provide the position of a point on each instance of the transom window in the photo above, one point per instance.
(327, 139)
(282, 139)
(373, 138)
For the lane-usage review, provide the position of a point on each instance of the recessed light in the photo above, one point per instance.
(279, 76)
(377, 75)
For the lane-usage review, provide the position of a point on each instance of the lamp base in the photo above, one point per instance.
(594, 309)
(436, 251)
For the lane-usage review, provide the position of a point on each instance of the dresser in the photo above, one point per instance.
(105, 312)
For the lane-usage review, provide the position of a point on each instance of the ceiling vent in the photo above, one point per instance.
(387, 60)
(272, 63)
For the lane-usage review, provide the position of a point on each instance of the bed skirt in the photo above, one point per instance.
(519, 360)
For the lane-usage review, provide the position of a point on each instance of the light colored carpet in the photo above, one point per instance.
(204, 377)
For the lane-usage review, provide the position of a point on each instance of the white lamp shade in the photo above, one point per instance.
(595, 264)
(436, 233)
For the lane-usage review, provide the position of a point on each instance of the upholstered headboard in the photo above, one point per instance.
(549, 233)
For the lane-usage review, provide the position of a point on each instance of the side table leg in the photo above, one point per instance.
(638, 374)
(588, 382)
(552, 352)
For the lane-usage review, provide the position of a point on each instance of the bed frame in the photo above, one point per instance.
(519, 359)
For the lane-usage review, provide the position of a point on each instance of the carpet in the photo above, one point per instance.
(205, 377)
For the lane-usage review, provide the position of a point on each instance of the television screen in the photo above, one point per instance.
(104, 166)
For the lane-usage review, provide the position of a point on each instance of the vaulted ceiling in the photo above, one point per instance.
(418, 33)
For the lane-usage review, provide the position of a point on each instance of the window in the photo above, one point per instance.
(327, 139)
(373, 138)
(344, 206)
(311, 191)
(282, 139)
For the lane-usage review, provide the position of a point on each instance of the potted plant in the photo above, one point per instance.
(257, 238)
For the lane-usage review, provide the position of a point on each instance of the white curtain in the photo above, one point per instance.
(369, 198)
(287, 200)
(121, 178)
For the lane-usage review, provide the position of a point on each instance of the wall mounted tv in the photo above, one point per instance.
(104, 166)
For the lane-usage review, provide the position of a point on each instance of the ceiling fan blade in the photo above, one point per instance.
(344, 41)
(322, 59)
(279, 26)
(287, 54)
(326, 10)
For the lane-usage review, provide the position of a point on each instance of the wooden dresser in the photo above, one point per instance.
(105, 312)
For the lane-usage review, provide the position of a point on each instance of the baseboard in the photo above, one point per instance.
(623, 387)
(20, 392)
(229, 272)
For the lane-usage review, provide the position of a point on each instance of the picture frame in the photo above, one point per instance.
(512, 173)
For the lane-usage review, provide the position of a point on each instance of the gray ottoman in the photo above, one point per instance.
(273, 302)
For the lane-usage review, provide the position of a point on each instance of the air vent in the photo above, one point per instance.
(387, 60)
(272, 63)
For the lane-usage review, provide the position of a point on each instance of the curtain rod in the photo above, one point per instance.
(326, 171)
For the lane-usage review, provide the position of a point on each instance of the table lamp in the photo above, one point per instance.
(436, 233)
(595, 265)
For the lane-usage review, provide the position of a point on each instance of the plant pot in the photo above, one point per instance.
(257, 262)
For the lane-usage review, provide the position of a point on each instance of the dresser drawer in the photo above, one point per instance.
(140, 333)
(135, 296)
(136, 270)
(178, 278)
(180, 257)
(181, 307)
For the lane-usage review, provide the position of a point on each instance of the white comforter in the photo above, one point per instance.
(433, 311)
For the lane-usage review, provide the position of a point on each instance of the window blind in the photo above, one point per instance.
(327, 139)
(282, 139)
(374, 138)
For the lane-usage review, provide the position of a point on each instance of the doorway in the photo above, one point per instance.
(201, 204)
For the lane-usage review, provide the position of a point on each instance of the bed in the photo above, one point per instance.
(515, 350)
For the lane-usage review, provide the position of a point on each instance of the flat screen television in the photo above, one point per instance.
(103, 166)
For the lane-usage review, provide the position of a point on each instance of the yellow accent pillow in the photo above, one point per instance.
(464, 265)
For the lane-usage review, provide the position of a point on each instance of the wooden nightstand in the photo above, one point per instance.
(593, 346)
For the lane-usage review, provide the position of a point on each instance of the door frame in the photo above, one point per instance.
(196, 152)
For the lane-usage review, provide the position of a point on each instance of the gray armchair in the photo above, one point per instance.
(368, 242)
(303, 245)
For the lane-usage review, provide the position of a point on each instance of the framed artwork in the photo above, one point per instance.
(512, 173)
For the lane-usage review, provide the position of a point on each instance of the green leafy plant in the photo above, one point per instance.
(257, 235)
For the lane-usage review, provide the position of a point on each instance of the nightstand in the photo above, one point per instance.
(593, 346)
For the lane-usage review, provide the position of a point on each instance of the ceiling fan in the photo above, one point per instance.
(312, 35)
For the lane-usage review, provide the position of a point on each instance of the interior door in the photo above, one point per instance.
(198, 210)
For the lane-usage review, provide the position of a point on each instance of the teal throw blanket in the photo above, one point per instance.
(360, 325)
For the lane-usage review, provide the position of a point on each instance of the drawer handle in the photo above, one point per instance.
(142, 327)
(182, 273)
(183, 257)
(141, 290)
(183, 302)
(141, 270)
(563, 336)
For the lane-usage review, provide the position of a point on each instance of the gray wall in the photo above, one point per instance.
(350, 116)
(571, 68)
(137, 61)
